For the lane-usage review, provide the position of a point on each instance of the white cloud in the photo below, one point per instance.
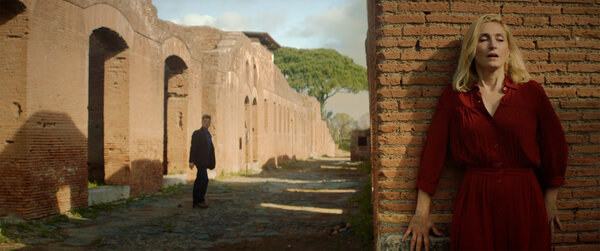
(269, 21)
(342, 28)
(194, 19)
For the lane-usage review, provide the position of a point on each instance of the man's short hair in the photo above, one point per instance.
(206, 116)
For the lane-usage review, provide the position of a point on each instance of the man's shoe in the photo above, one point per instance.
(202, 205)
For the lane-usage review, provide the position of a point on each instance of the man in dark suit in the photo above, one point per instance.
(202, 155)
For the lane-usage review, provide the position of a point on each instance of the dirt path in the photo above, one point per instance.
(292, 208)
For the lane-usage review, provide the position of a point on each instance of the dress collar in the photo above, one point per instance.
(507, 84)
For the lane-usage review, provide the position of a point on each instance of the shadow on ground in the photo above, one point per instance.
(304, 205)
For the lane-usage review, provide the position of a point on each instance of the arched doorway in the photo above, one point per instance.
(254, 131)
(175, 116)
(108, 132)
(247, 126)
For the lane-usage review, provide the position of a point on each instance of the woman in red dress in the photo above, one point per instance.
(500, 126)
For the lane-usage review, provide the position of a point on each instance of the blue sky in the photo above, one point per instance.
(336, 24)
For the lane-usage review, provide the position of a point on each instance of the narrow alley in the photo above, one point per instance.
(301, 206)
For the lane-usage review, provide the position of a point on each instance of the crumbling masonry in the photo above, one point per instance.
(104, 89)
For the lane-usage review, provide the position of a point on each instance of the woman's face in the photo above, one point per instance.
(492, 47)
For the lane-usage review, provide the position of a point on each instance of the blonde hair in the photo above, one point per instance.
(466, 75)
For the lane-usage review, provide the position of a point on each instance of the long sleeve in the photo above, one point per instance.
(553, 145)
(434, 152)
(193, 149)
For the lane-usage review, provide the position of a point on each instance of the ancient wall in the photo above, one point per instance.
(412, 50)
(360, 145)
(104, 89)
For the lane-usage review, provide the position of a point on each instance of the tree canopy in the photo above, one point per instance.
(320, 73)
(340, 126)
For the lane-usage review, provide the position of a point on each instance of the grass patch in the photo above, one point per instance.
(171, 190)
(288, 164)
(234, 174)
(362, 223)
(95, 183)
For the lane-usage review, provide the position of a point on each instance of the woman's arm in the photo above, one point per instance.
(421, 223)
(551, 210)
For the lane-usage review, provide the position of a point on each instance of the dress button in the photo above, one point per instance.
(497, 164)
(499, 180)
(504, 89)
(496, 146)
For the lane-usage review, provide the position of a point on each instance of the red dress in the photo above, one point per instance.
(500, 204)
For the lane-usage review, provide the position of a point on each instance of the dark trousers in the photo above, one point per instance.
(200, 184)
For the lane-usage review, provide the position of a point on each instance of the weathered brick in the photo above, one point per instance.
(411, 127)
(546, 67)
(446, 18)
(581, 10)
(591, 116)
(547, 44)
(427, 80)
(396, 42)
(568, 79)
(400, 140)
(423, 6)
(399, 93)
(567, 56)
(429, 55)
(388, 128)
(403, 67)
(439, 43)
(402, 116)
(438, 67)
(561, 92)
(586, 33)
(430, 31)
(593, 57)
(547, 32)
(584, 161)
(387, 6)
(387, 105)
(584, 68)
(536, 21)
(390, 80)
(399, 151)
(530, 9)
(573, 20)
(395, 31)
(580, 104)
(480, 7)
(535, 55)
(589, 237)
(402, 18)
(588, 92)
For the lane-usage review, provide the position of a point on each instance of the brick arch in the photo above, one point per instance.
(174, 46)
(104, 15)
(175, 115)
(108, 132)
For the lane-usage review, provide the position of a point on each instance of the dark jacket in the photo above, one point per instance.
(200, 153)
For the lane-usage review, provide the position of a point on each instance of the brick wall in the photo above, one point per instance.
(412, 49)
(87, 78)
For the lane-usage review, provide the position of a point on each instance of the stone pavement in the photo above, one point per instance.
(295, 208)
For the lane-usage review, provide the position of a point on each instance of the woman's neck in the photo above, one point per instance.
(492, 80)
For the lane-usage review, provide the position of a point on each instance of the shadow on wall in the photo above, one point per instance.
(10, 9)
(146, 176)
(273, 162)
(43, 169)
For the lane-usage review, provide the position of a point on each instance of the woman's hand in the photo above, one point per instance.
(419, 226)
(551, 210)
(421, 223)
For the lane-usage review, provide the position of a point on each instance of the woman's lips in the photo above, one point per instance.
(492, 55)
